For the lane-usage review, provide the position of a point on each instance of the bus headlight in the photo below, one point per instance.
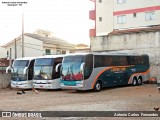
(49, 82)
(23, 83)
(62, 84)
(79, 83)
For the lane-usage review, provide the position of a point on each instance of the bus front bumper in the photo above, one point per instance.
(46, 84)
(21, 84)
(77, 85)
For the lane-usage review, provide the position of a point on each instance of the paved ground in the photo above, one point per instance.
(126, 98)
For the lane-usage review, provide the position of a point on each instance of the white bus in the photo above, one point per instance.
(22, 73)
(47, 72)
(99, 70)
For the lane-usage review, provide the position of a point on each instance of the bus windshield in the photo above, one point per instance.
(17, 74)
(21, 63)
(43, 69)
(71, 68)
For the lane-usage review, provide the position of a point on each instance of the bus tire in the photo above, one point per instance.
(134, 82)
(139, 81)
(97, 86)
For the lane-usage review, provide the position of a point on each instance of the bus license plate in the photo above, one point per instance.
(41, 86)
(69, 87)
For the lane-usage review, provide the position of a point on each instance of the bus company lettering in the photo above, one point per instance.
(118, 69)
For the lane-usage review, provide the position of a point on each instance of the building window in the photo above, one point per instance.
(100, 1)
(150, 15)
(121, 19)
(63, 52)
(58, 51)
(100, 19)
(134, 15)
(48, 52)
(121, 1)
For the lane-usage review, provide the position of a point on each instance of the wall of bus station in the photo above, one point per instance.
(5, 79)
(136, 43)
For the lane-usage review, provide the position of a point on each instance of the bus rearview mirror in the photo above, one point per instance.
(57, 66)
(82, 66)
(25, 70)
(8, 68)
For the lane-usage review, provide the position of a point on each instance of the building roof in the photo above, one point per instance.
(47, 40)
(136, 30)
(52, 40)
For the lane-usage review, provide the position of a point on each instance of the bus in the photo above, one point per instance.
(99, 70)
(47, 72)
(22, 72)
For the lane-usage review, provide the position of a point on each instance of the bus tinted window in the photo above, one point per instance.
(44, 61)
(21, 63)
(101, 61)
(78, 58)
(145, 59)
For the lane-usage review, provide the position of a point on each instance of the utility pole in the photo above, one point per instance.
(10, 56)
(22, 35)
(15, 48)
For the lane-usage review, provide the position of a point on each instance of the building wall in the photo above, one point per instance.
(109, 10)
(4, 79)
(3, 52)
(142, 43)
(140, 7)
(104, 10)
(32, 48)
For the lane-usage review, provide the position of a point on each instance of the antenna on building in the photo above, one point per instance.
(22, 35)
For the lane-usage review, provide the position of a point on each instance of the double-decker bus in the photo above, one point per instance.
(47, 72)
(22, 72)
(99, 70)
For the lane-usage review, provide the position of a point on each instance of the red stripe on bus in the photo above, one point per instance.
(136, 10)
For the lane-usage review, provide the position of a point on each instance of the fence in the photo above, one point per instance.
(4, 78)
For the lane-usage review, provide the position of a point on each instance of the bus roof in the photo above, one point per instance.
(106, 53)
(50, 56)
(26, 58)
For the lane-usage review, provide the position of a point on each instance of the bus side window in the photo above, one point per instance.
(131, 60)
(123, 60)
(138, 60)
(88, 66)
(98, 61)
(145, 59)
(116, 60)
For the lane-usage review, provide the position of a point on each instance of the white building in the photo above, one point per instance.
(127, 26)
(3, 52)
(110, 15)
(37, 45)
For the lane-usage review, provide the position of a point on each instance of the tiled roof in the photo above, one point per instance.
(4, 62)
(135, 30)
(52, 40)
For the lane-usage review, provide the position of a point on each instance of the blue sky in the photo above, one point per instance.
(67, 19)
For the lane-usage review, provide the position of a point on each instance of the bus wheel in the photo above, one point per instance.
(134, 83)
(98, 86)
(139, 81)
